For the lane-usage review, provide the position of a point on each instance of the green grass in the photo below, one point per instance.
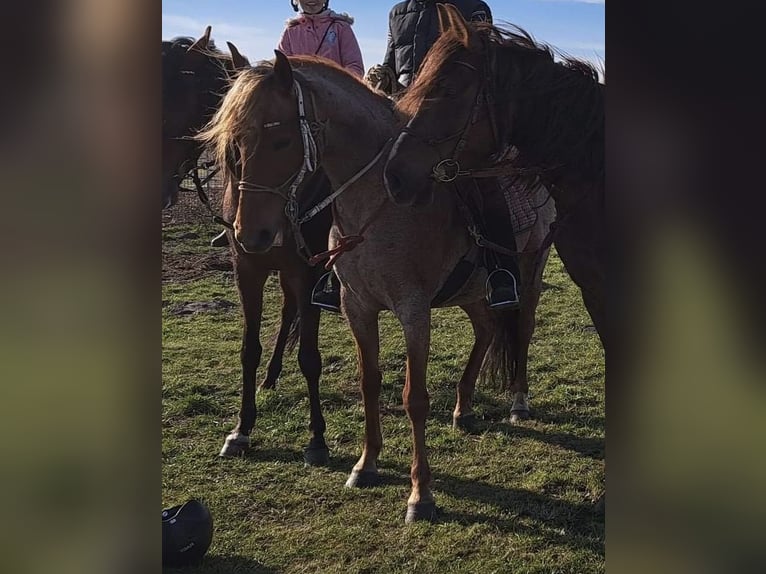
(511, 498)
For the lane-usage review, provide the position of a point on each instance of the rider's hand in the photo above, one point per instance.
(379, 77)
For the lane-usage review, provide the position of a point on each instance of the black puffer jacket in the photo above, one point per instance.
(413, 26)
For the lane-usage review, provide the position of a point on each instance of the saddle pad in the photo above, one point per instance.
(522, 202)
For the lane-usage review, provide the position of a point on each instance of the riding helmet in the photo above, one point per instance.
(294, 4)
(187, 531)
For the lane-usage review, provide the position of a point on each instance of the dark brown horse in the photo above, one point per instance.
(286, 118)
(195, 77)
(483, 92)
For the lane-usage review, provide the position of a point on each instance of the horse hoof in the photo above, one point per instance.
(420, 511)
(319, 456)
(363, 479)
(465, 422)
(235, 445)
(518, 416)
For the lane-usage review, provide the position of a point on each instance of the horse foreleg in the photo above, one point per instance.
(481, 321)
(364, 327)
(250, 282)
(310, 361)
(289, 313)
(417, 334)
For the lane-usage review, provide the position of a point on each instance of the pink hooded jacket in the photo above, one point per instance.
(326, 34)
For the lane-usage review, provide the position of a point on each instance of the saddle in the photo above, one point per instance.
(495, 210)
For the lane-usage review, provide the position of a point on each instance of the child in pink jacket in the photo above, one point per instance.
(318, 31)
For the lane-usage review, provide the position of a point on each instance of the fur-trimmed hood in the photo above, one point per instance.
(321, 17)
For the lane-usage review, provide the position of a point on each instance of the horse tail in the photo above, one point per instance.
(501, 361)
(293, 333)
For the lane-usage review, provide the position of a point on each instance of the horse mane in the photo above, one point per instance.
(559, 116)
(234, 117)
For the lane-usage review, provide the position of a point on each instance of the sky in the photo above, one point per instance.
(575, 27)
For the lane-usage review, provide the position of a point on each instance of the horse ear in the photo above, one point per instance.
(444, 22)
(456, 23)
(283, 71)
(201, 44)
(239, 61)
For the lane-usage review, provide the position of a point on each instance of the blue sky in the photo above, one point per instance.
(576, 27)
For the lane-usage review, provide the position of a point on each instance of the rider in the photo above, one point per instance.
(319, 31)
(413, 27)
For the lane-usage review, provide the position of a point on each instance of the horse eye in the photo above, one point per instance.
(280, 144)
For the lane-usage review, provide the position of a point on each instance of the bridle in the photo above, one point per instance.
(448, 170)
(288, 190)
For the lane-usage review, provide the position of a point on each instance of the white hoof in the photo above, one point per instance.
(520, 407)
(235, 445)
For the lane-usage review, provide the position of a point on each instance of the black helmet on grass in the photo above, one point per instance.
(187, 531)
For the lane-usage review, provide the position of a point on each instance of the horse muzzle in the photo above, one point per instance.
(255, 242)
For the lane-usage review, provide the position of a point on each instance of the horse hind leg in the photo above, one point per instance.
(526, 326)
(520, 385)
(463, 416)
(364, 327)
(316, 452)
(287, 328)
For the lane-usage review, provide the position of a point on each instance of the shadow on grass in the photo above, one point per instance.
(560, 522)
(212, 564)
(578, 526)
(389, 475)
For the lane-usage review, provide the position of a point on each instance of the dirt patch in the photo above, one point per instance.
(184, 267)
(194, 307)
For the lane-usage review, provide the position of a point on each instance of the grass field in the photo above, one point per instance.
(511, 498)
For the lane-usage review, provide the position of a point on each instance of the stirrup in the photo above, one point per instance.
(220, 240)
(511, 299)
(322, 292)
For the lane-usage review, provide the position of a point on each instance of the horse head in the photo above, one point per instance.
(194, 76)
(448, 123)
(258, 124)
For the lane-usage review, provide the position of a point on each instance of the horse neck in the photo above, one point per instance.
(356, 126)
(557, 121)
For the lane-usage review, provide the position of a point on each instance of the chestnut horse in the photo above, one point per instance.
(483, 91)
(195, 77)
(287, 117)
